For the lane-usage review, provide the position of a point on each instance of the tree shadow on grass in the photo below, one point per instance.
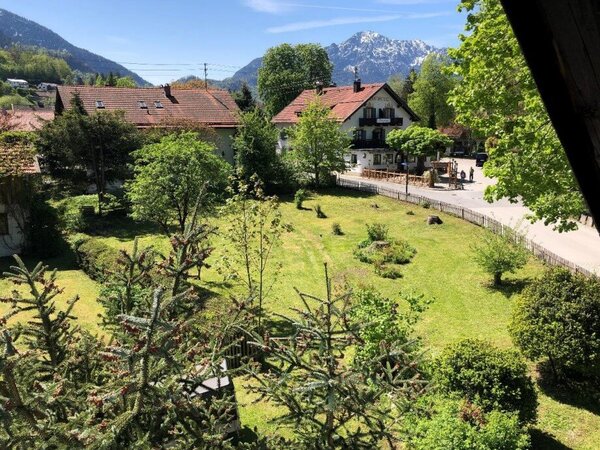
(540, 440)
(584, 394)
(65, 260)
(510, 287)
(278, 327)
(120, 227)
(246, 435)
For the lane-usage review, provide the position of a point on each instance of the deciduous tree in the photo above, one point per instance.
(170, 177)
(287, 70)
(498, 98)
(318, 145)
(418, 141)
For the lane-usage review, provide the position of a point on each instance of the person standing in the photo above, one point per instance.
(471, 173)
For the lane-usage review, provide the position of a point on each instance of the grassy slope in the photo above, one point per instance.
(443, 270)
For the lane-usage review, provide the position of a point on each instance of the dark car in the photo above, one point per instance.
(480, 158)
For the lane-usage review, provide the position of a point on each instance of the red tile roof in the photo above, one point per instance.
(29, 119)
(17, 160)
(212, 107)
(342, 100)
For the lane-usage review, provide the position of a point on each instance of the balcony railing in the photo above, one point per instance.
(369, 143)
(380, 121)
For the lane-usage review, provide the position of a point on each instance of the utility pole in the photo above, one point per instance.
(205, 77)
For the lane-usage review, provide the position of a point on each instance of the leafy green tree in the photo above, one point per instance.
(431, 90)
(100, 142)
(127, 82)
(419, 142)
(500, 253)
(497, 97)
(255, 146)
(170, 177)
(99, 81)
(111, 80)
(558, 318)
(329, 403)
(403, 86)
(318, 145)
(254, 230)
(488, 377)
(287, 70)
(243, 98)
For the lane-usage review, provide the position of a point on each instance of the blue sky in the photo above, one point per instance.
(170, 39)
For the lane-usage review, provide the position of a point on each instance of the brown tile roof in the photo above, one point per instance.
(17, 160)
(213, 107)
(454, 131)
(29, 120)
(342, 100)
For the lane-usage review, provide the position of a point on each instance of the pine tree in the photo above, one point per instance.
(244, 99)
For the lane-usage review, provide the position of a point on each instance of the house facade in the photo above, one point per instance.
(18, 168)
(366, 112)
(162, 107)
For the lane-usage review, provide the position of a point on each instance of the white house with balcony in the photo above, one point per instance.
(366, 111)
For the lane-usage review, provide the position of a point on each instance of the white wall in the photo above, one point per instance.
(12, 242)
(224, 141)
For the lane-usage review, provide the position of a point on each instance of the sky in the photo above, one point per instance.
(163, 40)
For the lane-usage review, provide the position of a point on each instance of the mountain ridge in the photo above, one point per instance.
(376, 57)
(19, 30)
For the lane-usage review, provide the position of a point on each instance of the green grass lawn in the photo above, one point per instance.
(443, 270)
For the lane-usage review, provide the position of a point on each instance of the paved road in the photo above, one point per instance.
(581, 247)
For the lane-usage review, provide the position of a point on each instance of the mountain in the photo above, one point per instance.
(18, 30)
(377, 57)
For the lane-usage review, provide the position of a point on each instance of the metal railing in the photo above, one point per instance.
(470, 216)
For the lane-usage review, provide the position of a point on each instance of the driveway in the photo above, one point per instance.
(581, 247)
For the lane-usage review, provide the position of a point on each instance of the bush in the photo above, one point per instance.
(488, 377)
(382, 325)
(410, 213)
(499, 253)
(426, 204)
(299, 197)
(320, 213)
(96, 259)
(387, 272)
(377, 232)
(394, 252)
(558, 317)
(336, 229)
(452, 424)
(77, 214)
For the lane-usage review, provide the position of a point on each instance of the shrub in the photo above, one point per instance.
(499, 253)
(488, 377)
(299, 197)
(452, 424)
(320, 213)
(377, 232)
(395, 252)
(382, 324)
(426, 204)
(336, 229)
(410, 213)
(558, 317)
(72, 212)
(387, 272)
(95, 258)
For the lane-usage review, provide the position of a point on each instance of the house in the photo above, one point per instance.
(463, 141)
(47, 86)
(162, 107)
(27, 119)
(18, 167)
(366, 111)
(17, 83)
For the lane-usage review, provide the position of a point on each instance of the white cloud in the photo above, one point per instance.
(298, 26)
(268, 6)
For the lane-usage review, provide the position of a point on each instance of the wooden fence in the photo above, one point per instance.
(393, 176)
(466, 214)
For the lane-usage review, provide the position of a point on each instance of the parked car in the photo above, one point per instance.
(480, 159)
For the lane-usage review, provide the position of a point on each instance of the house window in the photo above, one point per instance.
(379, 135)
(360, 135)
(389, 157)
(388, 113)
(99, 104)
(158, 104)
(3, 223)
(353, 158)
(142, 104)
(377, 159)
(369, 113)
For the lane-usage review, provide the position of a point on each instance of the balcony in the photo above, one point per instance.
(380, 121)
(368, 143)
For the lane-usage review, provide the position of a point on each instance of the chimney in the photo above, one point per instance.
(167, 88)
(319, 88)
(357, 85)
